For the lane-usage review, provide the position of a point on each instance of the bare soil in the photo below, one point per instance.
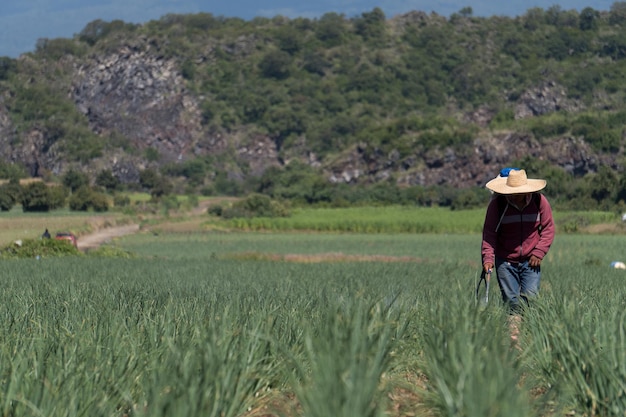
(105, 235)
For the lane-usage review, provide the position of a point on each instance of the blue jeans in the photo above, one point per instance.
(518, 283)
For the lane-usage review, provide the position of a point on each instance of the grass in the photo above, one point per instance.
(191, 327)
(390, 219)
(307, 324)
(404, 219)
(188, 328)
(16, 224)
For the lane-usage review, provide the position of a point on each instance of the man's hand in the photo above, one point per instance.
(534, 262)
(487, 267)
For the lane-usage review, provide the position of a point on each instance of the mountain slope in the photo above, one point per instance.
(417, 100)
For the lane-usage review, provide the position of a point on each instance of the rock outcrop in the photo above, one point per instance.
(469, 166)
(544, 99)
(135, 93)
(141, 96)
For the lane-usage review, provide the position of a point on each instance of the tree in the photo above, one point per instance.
(79, 201)
(107, 180)
(86, 198)
(617, 14)
(58, 196)
(371, 26)
(289, 39)
(162, 188)
(99, 29)
(7, 66)
(36, 197)
(282, 121)
(74, 179)
(589, 19)
(148, 178)
(331, 29)
(275, 64)
(466, 12)
(315, 63)
(534, 18)
(9, 196)
(615, 47)
(621, 191)
(604, 184)
(93, 31)
(255, 205)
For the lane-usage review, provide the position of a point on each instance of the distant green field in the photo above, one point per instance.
(403, 219)
(378, 220)
(19, 225)
(568, 249)
(213, 245)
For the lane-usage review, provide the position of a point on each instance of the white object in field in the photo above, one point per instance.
(618, 265)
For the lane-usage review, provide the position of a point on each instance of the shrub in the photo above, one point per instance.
(170, 202)
(256, 205)
(85, 198)
(121, 200)
(107, 180)
(275, 64)
(162, 188)
(74, 179)
(10, 194)
(38, 248)
(58, 196)
(79, 201)
(99, 202)
(36, 197)
(468, 199)
(6, 202)
(191, 201)
(549, 127)
(7, 66)
(215, 210)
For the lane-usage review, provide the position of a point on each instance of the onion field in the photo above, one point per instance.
(309, 324)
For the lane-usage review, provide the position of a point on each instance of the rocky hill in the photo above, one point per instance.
(145, 103)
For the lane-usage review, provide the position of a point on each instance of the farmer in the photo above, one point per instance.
(517, 234)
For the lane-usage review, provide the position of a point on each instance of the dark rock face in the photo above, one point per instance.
(471, 166)
(544, 99)
(259, 154)
(142, 97)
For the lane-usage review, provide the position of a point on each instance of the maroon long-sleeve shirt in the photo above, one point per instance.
(515, 235)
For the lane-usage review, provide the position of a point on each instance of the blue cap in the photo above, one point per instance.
(504, 172)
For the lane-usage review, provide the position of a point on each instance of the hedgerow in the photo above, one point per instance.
(38, 248)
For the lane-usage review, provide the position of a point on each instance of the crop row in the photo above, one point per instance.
(178, 333)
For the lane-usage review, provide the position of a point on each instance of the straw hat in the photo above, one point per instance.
(515, 183)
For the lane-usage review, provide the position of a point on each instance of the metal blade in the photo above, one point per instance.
(482, 289)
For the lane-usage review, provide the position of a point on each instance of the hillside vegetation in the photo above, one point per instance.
(418, 108)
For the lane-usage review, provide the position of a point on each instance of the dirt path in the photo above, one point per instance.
(107, 234)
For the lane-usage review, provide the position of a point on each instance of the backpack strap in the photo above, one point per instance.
(503, 205)
(537, 199)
